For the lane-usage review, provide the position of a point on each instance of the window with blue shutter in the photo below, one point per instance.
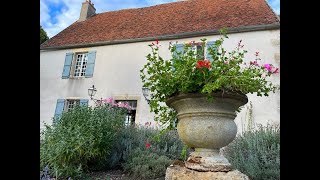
(67, 66)
(209, 44)
(90, 63)
(79, 65)
(180, 48)
(84, 102)
(59, 109)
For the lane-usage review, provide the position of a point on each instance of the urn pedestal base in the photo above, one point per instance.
(178, 172)
(206, 126)
(207, 160)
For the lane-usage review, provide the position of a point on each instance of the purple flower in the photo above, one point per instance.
(254, 63)
(109, 100)
(268, 67)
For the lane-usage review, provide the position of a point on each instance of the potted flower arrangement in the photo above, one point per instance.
(202, 86)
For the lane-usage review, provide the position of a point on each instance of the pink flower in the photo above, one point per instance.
(227, 62)
(268, 67)
(109, 100)
(99, 102)
(148, 145)
(123, 105)
(191, 42)
(152, 44)
(257, 53)
(254, 63)
(276, 71)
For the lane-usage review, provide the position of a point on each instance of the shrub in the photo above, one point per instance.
(145, 164)
(81, 136)
(140, 141)
(257, 153)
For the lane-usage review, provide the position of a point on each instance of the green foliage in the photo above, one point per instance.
(257, 153)
(82, 136)
(43, 35)
(189, 72)
(184, 153)
(133, 140)
(145, 164)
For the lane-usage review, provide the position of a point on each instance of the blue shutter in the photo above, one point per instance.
(180, 48)
(59, 109)
(67, 66)
(90, 64)
(209, 43)
(84, 102)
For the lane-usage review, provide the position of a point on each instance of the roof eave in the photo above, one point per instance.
(169, 37)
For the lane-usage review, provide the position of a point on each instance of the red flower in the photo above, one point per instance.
(257, 53)
(203, 63)
(157, 41)
(152, 44)
(148, 145)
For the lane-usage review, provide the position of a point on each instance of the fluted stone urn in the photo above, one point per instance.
(207, 126)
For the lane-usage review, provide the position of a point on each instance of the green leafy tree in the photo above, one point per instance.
(43, 35)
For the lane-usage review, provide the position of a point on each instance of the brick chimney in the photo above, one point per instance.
(87, 10)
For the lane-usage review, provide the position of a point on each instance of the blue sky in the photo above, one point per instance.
(55, 15)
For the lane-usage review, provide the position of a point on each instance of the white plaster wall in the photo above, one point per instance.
(116, 74)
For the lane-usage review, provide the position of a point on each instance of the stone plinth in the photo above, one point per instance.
(179, 172)
(207, 160)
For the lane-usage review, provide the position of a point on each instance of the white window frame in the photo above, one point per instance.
(67, 104)
(82, 58)
(194, 48)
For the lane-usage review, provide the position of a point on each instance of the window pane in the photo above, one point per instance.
(200, 52)
(71, 103)
(80, 65)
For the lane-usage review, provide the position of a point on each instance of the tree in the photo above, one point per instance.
(43, 35)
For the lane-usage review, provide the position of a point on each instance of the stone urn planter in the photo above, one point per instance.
(207, 126)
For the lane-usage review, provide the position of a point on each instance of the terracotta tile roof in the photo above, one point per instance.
(165, 19)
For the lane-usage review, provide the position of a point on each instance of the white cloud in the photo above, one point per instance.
(65, 17)
(44, 13)
(275, 4)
